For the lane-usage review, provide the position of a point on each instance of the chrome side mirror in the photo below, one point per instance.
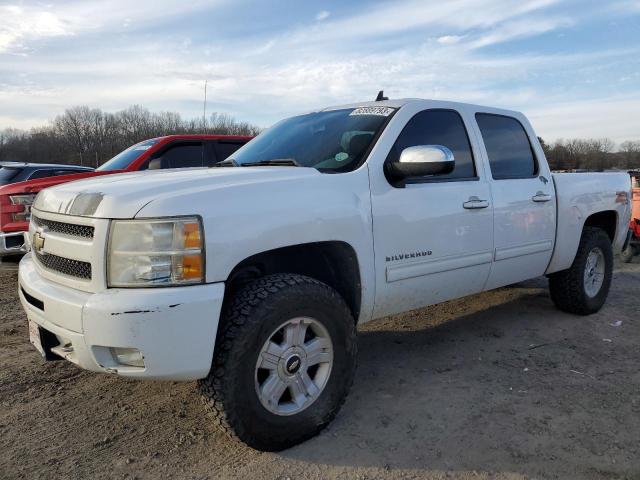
(422, 160)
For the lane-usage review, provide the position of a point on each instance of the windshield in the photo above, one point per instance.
(333, 141)
(124, 158)
(7, 174)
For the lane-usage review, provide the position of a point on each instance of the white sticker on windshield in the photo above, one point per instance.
(382, 111)
(143, 147)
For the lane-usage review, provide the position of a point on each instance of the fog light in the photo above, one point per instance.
(128, 356)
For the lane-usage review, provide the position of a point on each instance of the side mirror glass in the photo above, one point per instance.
(422, 160)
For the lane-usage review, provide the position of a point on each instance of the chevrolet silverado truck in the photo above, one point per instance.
(173, 151)
(252, 277)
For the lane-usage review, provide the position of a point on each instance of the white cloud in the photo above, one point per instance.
(449, 39)
(24, 23)
(407, 15)
(20, 24)
(518, 29)
(323, 15)
(593, 118)
(413, 48)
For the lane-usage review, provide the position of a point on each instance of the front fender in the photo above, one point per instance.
(243, 220)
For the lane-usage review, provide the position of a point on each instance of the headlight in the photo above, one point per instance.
(25, 200)
(162, 252)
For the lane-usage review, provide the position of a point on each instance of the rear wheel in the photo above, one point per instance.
(284, 361)
(583, 288)
(627, 254)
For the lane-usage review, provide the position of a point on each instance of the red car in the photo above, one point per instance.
(173, 151)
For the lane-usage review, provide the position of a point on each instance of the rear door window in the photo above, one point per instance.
(508, 147)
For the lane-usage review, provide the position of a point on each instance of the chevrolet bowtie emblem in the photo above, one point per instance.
(38, 242)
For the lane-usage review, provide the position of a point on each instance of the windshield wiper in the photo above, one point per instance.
(227, 163)
(274, 162)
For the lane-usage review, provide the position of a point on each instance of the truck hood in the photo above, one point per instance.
(124, 195)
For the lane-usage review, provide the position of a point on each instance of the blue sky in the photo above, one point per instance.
(573, 66)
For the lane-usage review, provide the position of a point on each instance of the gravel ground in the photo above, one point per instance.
(499, 385)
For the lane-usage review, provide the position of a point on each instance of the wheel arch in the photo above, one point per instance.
(606, 220)
(570, 229)
(332, 262)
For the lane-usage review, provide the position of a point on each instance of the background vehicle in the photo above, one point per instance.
(330, 219)
(633, 247)
(13, 172)
(174, 151)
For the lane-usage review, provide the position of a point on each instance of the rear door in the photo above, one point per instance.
(524, 204)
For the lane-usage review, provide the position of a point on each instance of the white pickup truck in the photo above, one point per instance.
(252, 276)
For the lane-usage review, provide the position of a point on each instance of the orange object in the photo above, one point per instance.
(192, 267)
(192, 235)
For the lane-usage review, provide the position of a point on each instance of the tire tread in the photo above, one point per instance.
(237, 315)
(567, 286)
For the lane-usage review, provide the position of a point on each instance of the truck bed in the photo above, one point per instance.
(578, 197)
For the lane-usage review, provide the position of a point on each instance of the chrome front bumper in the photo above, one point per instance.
(12, 243)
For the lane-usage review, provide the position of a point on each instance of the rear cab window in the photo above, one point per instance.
(508, 147)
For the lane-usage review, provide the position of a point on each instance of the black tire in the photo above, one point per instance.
(567, 287)
(627, 254)
(249, 319)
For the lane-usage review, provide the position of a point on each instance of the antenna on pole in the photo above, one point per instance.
(204, 108)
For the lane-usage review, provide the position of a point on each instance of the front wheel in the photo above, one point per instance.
(583, 288)
(284, 361)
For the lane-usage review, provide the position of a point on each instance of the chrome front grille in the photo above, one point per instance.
(66, 266)
(83, 231)
(69, 250)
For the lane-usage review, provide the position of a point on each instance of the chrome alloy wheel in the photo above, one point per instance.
(293, 366)
(594, 272)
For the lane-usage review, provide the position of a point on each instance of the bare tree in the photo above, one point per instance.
(631, 153)
(90, 136)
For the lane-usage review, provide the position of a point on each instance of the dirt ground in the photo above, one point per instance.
(498, 385)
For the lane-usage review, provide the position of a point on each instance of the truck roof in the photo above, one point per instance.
(401, 102)
(203, 137)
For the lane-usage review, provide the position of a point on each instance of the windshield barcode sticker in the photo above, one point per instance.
(382, 111)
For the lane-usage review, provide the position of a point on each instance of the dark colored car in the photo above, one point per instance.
(13, 172)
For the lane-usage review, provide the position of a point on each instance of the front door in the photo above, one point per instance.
(524, 201)
(433, 238)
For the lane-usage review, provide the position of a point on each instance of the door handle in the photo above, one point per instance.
(541, 197)
(474, 203)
